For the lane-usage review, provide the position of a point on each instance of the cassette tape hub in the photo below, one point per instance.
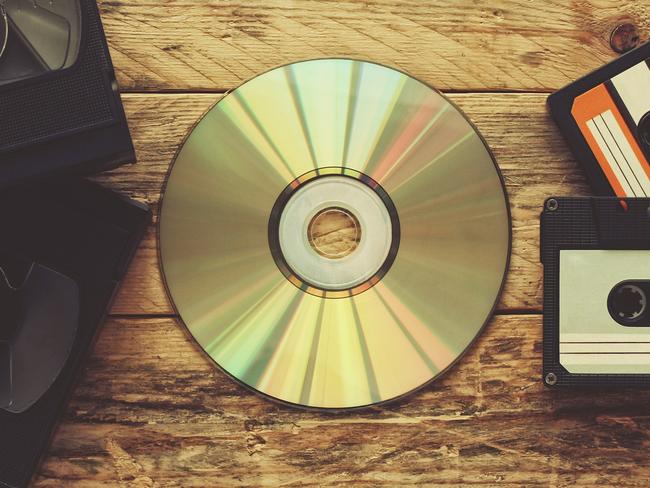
(596, 257)
(627, 303)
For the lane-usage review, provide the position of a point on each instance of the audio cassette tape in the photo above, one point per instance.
(60, 109)
(596, 257)
(605, 118)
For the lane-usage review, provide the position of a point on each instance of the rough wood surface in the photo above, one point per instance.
(334, 233)
(530, 151)
(459, 45)
(151, 410)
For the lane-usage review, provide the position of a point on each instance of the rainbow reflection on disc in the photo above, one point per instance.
(423, 241)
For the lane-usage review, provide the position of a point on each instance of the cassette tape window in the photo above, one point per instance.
(37, 36)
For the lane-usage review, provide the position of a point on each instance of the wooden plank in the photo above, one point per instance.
(531, 153)
(460, 45)
(152, 410)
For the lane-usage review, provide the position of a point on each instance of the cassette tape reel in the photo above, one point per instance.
(596, 256)
(38, 36)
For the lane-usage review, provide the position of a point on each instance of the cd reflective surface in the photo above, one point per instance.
(420, 203)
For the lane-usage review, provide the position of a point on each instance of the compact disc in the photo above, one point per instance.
(334, 233)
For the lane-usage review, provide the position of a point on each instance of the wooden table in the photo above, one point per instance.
(151, 410)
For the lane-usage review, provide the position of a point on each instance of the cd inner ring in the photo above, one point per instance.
(363, 223)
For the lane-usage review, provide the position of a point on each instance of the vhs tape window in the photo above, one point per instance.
(37, 36)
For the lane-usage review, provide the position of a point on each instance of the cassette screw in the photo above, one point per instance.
(624, 37)
(550, 379)
(551, 204)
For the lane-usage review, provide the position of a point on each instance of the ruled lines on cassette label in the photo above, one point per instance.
(620, 155)
(618, 355)
(613, 347)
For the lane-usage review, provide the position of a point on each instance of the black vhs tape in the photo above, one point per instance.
(64, 249)
(60, 109)
(596, 257)
(605, 118)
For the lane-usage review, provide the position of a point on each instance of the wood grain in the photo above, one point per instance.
(461, 45)
(334, 233)
(531, 153)
(151, 410)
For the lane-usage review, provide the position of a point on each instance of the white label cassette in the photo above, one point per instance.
(601, 311)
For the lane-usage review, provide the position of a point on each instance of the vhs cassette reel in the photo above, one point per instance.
(60, 104)
(596, 257)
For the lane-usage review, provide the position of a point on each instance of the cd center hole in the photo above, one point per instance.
(334, 233)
